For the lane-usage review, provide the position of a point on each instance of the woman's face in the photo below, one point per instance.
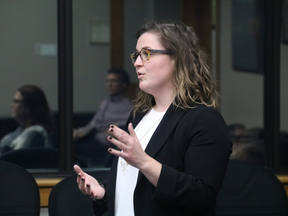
(19, 110)
(155, 74)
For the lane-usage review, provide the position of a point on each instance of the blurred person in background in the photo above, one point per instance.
(114, 109)
(31, 111)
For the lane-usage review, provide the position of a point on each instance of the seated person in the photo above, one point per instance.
(114, 109)
(31, 111)
(248, 144)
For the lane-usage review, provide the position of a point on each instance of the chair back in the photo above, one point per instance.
(19, 193)
(250, 189)
(66, 198)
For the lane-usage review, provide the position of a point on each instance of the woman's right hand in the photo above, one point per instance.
(88, 185)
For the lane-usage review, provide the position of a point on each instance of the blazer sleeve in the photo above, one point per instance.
(100, 206)
(202, 154)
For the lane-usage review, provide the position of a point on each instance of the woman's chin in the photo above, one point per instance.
(143, 86)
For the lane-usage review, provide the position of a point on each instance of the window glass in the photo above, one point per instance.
(242, 78)
(284, 88)
(28, 42)
(91, 61)
(92, 85)
(28, 57)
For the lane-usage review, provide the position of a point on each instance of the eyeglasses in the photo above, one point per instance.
(146, 53)
(15, 101)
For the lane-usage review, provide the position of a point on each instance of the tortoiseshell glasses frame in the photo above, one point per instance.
(146, 53)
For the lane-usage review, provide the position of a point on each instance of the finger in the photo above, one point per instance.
(111, 129)
(118, 134)
(115, 152)
(131, 130)
(78, 170)
(78, 178)
(116, 142)
(81, 182)
(88, 190)
(82, 185)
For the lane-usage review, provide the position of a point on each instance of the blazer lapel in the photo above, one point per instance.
(165, 128)
(137, 119)
(163, 131)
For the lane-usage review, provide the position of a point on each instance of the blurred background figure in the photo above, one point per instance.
(31, 111)
(237, 132)
(248, 144)
(114, 109)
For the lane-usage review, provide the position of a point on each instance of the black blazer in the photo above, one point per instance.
(193, 147)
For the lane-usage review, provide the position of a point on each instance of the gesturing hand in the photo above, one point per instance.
(88, 184)
(133, 153)
(129, 145)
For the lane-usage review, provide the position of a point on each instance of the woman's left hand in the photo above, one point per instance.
(132, 151)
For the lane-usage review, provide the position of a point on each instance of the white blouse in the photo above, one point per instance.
(127, 174)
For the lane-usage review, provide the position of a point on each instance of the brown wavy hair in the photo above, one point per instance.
(192, 80)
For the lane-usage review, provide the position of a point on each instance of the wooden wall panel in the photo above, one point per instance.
(198, 14)
(117, 33)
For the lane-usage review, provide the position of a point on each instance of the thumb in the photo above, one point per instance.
(131, 130)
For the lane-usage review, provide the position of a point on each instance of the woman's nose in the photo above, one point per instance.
(138, 62)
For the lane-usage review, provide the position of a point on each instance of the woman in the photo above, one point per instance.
(31, 111)
(174, 162)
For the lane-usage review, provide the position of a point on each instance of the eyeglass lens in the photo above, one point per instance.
(144, 55)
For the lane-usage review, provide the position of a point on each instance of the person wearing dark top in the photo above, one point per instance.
(172, 156)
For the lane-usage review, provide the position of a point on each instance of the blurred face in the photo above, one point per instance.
(19, 110)
(114, 84)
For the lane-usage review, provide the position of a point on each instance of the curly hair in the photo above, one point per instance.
(192, 80)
